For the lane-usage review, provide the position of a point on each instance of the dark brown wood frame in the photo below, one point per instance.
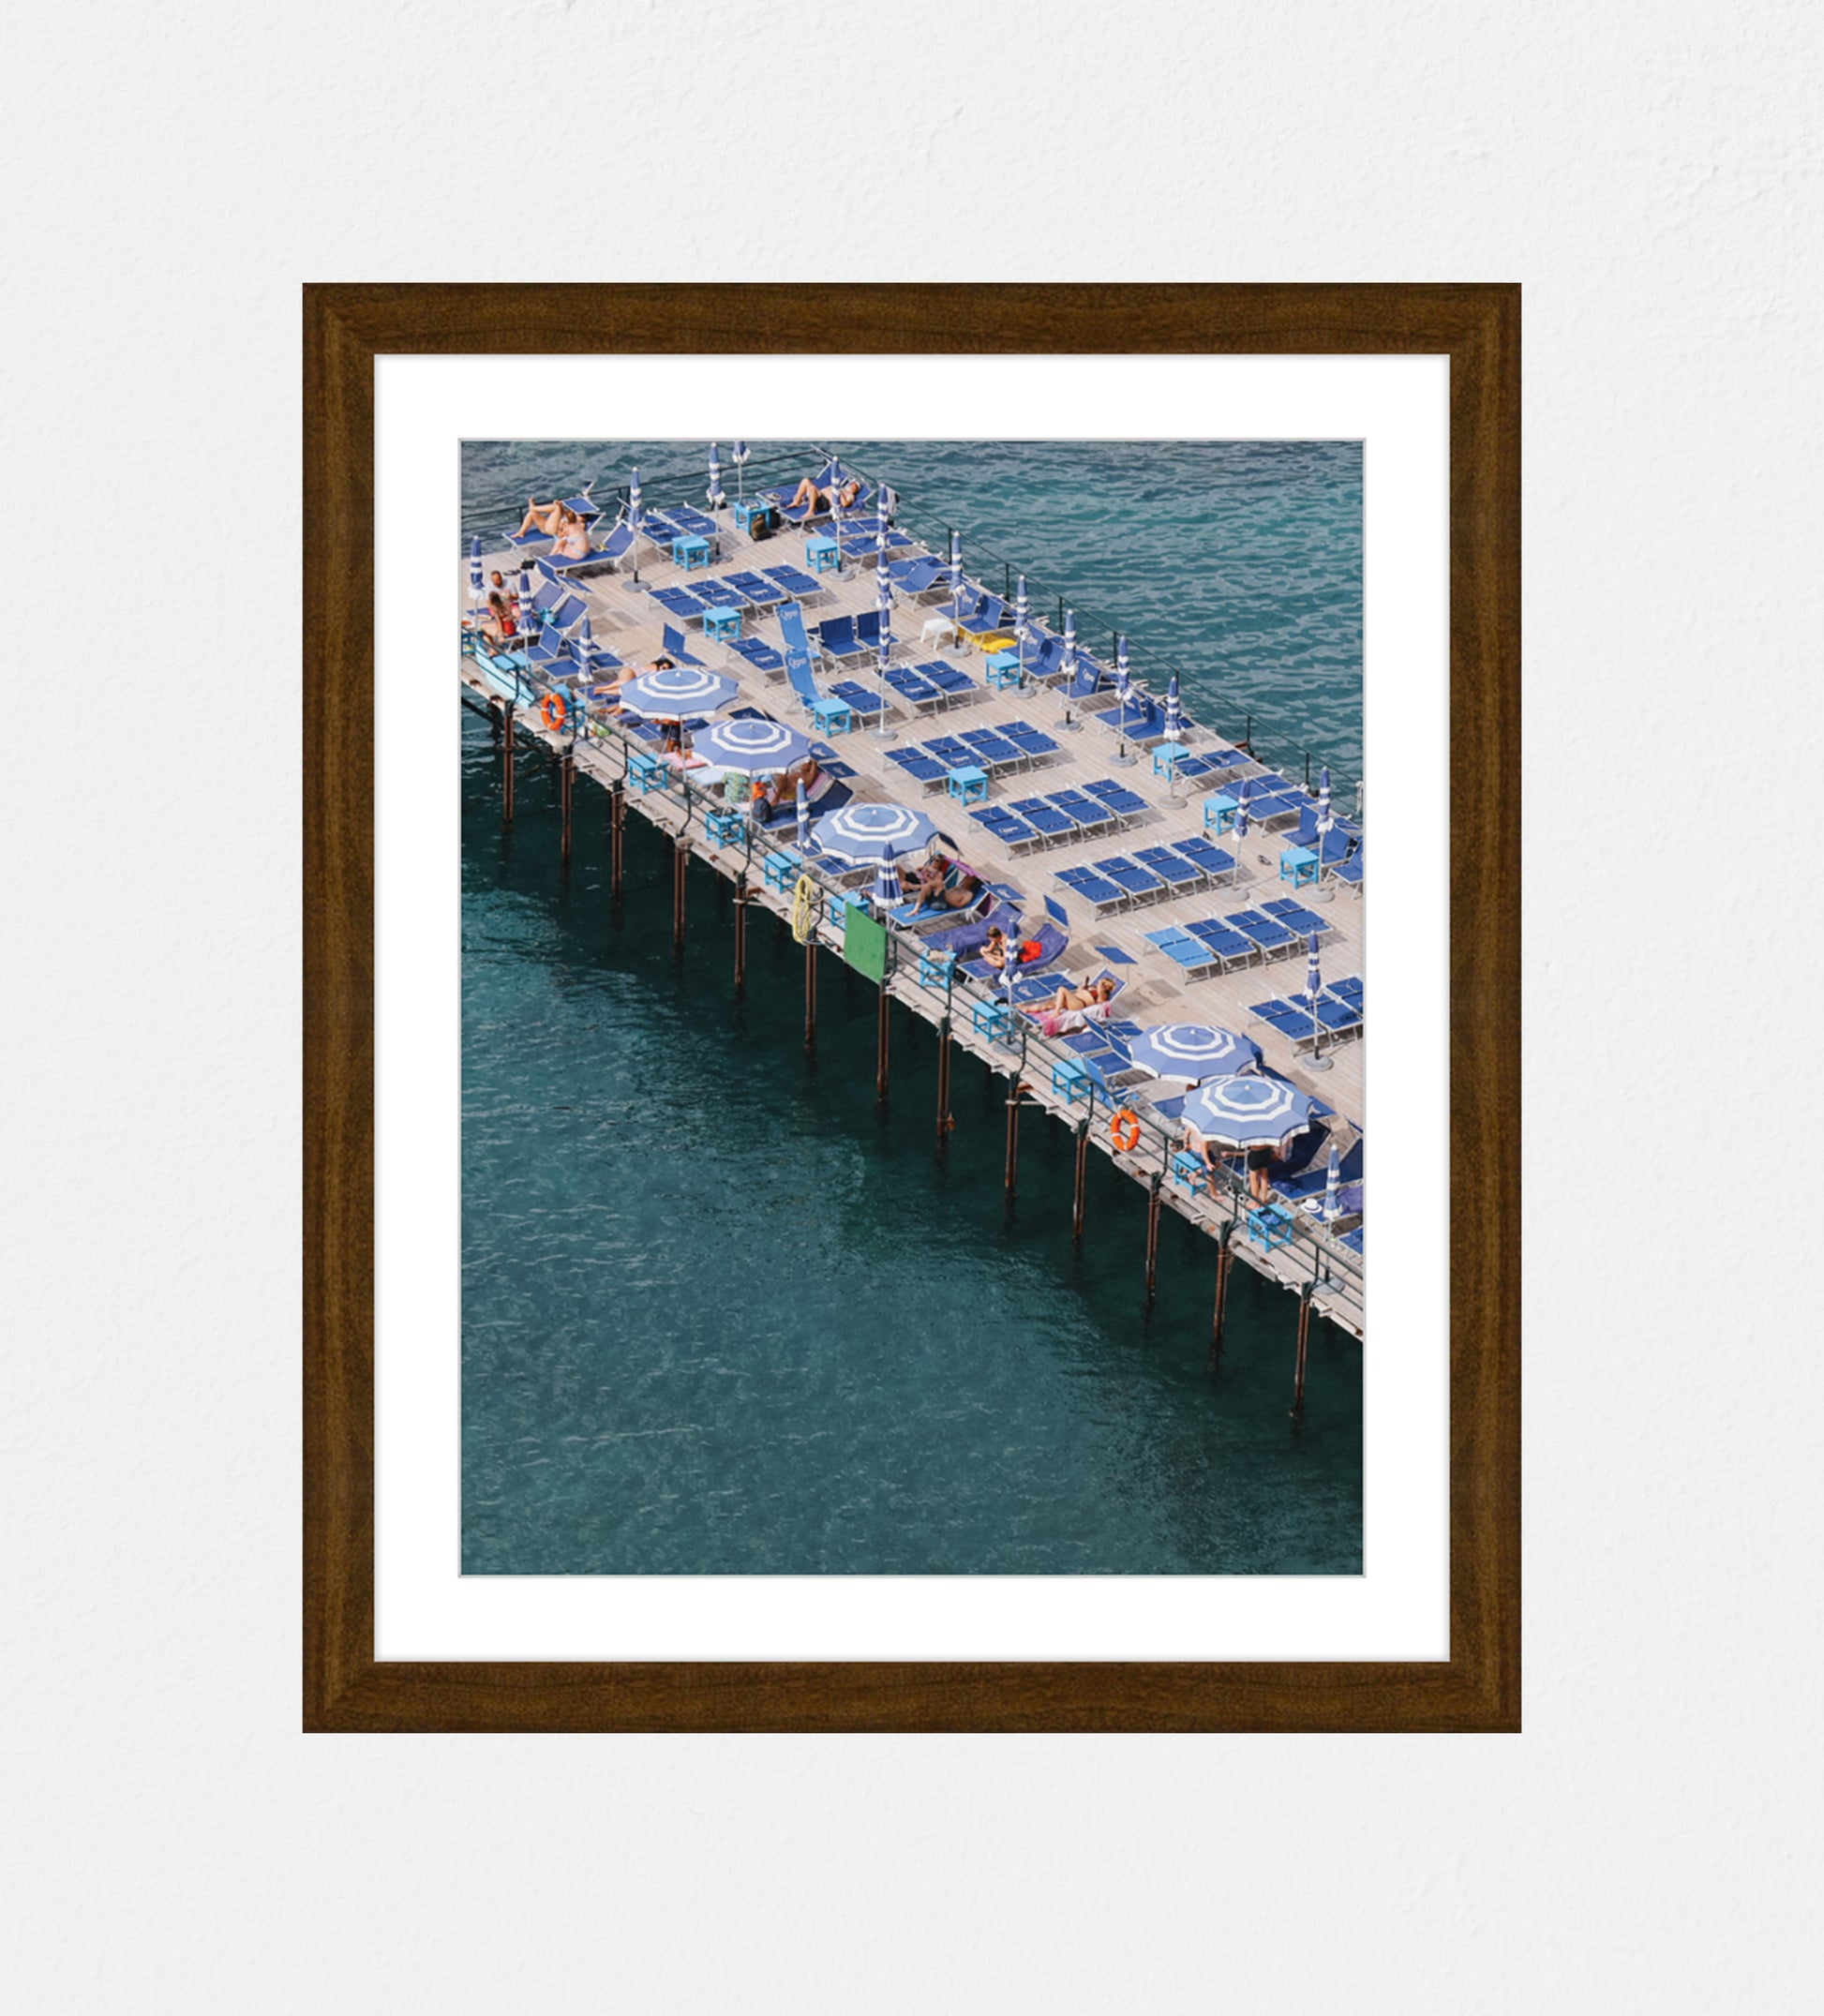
(345, 1688)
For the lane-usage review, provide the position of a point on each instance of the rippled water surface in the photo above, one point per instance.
(724, 1313)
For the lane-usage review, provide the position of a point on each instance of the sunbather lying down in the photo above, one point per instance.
(810, 491)
(1071, 1008)
(556, 520)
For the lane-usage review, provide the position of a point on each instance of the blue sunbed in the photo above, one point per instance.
(1268, 936)
(946, 678)
(1185, 950)
(683, 603)
(795, 581)
(1141, 884)
(1229, 946)
(1045, 819)
(1170, 868)
(1096, 891)
(1118, 798)
(675, 647)
(1089, 813)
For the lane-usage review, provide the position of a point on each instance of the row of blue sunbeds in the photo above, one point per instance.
(1340, 1011)
(1007, 746)
(1149, 875)
(1215, 944)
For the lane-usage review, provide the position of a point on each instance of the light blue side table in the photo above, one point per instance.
(1299, 866)
(691, 552)
(725, 623)
(1004, 669)
(968, 783)
(1218, 813)
(822, 556)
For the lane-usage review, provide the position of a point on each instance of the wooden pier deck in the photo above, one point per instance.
(625, 619)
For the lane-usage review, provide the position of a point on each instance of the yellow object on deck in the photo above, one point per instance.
(804, 896)
(996, 640)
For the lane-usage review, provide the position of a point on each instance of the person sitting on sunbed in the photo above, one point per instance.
(994, 951)
(497, 620)
(818, 494)
(573, 538)
(542, 518)
(924, 884)
(770, 793)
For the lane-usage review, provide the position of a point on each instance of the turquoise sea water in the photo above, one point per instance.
(724, 1313)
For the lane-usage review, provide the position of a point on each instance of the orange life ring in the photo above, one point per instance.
(554, 710)
(1123, 1130)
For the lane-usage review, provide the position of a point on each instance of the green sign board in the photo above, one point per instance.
(864, 942)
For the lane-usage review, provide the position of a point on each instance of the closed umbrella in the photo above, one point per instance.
(883, 731)
(1325, 820)
(1243, 797)
(632, 519)
(1314, 988)
(1193, 1050)
(1248, 1110)
(1020, 619)
(956, 575)
(1332, 1184)
(716, 497)
(1175, 717)
(1123, 694)
(803, 817)
(477, 598)
(741, 467)
(528, 608)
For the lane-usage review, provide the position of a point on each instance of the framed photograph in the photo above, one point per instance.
(837, 1070)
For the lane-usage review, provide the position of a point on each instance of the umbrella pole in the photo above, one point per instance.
(1304, 1341)
(1224, 1258)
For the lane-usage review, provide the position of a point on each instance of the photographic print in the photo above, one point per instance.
(914, 1006)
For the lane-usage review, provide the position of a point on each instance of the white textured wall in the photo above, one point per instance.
(171, 175)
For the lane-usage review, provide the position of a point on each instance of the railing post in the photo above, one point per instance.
(1304, 1338)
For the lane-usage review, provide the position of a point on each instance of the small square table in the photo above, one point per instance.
(1219, 813)
(691, 552)
(723, 622)
(783, 869)
(822, 556)
(1299, 866)
(1004, 669)
(834, 716)
(747, 510)
(968, 783)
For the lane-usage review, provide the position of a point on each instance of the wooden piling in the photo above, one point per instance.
(681, 856)
(506, 770)
(1304, 1341)
(567, 792)
(1014, 1088)
(880, 1045)
(1224, 1258)
(740, 932)
(617, 836)
(943, 1120)
(811, 991)
(1152, 1201)
(1082, 1183)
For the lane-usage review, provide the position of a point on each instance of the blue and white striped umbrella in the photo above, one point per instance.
(885, 887)
(585, 643)
(1243, 798)
(1249, 1111)
(1021, 622)
(475, 568)
(740, 465)
(1313, 974)
(956, 573)
(1324, 817)
(633, 501)
(528, 607)
(759, 748)
(672, 695)
(716, 497)
(880, 521)
(1332, 1183)
(1175, 716)
(1193, 1050)
(1123, 678)
(803, 816)
(870, 832)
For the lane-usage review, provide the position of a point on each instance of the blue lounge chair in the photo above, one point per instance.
(917, 693)
(1170, 868)
(1352, 870)
(1141, 884)
(759, 592)
(990, 614)
(1089, 813)
(1215, 863)
(796, 582)
(1044, 819)
(993, 750)
(1123, 803)
(1141, 723)
(919, 765)
(1309, 1182)
(1230, 947)
(606, 555)
(946, 678)
(862, 701)
(915, 577)
(1350, 989)
(1185, 950)
(675, 647)
(762, 657)
(1010, 831)
(1265, 933)
(1033, 740)
(683, 603)
(838, 638)
(1096, 891)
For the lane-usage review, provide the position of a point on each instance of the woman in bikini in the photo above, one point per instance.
(810, 491)
(542, 518)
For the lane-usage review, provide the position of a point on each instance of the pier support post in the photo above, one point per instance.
(880, 1045)
(506, 770)
(1224, 1261)
(1014, 1087)
(811, 991)
(740, 932)
(943, 1120)
(681, 857)
(617, 836)
(566, 793)
(1082, 1182)
(1152, 1201)
(1304, 1340)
